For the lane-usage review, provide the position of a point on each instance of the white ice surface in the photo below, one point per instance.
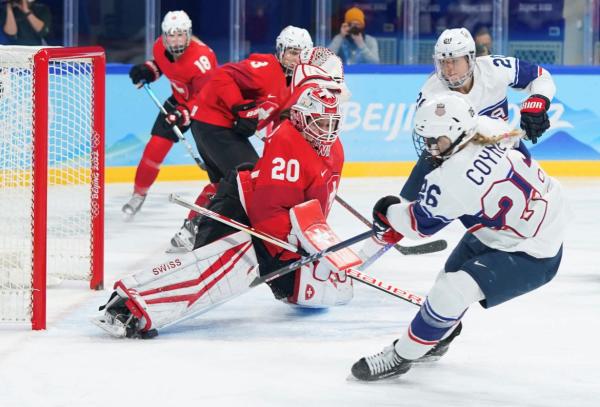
(541, 349)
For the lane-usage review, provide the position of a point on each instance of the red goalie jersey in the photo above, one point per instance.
(290, 172)
(260, 77)
(189, 73)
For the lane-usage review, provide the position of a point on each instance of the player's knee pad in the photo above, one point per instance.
(452, 293)
(188, 284)
(317, 286)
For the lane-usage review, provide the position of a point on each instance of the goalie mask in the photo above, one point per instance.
(442, 125)
(316, 115)
(454, 57)
(177, 32)
(291, 39)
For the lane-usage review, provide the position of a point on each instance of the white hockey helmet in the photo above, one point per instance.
(325, 59)
(454, 43)
(291, 37)
(173, 23)
(316, 114)
(443, 124)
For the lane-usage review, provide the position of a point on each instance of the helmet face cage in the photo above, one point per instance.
(291, 38)
(453, 44)
(176, 22)
(316, 115)
(431, 145)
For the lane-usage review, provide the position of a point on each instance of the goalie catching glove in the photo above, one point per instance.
(382, 228)
(534, 116)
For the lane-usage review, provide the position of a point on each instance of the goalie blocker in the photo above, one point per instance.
(183, 286)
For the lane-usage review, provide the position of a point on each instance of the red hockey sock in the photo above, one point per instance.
(204, 198)
(149, 166)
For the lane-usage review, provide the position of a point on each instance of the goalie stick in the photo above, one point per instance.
(423, 248)
(352, 273)
(176, 130)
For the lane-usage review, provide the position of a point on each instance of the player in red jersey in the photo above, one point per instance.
(302, 161)
(187, 62)
(238, 96)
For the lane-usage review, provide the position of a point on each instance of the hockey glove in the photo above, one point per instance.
(179, 117)
(382, 229)
(147, 72)
(246, 118)
(534, 116)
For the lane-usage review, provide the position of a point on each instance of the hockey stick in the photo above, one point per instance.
(231, 222)
(385, 287)
(355, 274)
(175, 129)
(424, 248)
(309, 259)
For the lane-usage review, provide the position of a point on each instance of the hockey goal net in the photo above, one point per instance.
(51, 174)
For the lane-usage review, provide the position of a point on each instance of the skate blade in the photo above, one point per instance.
(173, 249)
(427, 359)
(128, 216)
(116, 331)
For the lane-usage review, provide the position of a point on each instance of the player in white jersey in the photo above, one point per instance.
(514, 244)
(484, 81)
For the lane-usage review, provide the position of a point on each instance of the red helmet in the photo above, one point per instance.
(316, 114)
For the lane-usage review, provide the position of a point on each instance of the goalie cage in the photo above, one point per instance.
(51, 174)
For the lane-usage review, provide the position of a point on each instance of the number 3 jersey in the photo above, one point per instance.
(498, 190)
(260, 77)
(491, 78)
(289, 173)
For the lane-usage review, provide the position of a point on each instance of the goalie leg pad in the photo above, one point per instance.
(184, 286)
(315, 292)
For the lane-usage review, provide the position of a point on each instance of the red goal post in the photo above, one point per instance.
(51, 174)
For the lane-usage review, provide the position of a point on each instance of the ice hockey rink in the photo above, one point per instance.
(540, 349)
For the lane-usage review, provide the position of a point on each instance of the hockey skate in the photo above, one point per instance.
(118, 320)
(133, 206)
(184, 239)
(382, 365)
(441, 348)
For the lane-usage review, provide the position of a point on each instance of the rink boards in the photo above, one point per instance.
(378, 123)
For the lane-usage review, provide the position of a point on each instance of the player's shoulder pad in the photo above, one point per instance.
(158, 48)
(488, 126)
(432, 86)
(262, 57)
(285, 139)
(492, 62)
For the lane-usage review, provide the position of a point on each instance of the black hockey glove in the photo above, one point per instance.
(246, 118)
(180, 117)
(382, 229)
(147, 72)
(534, 116)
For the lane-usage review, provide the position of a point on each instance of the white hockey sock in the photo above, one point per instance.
(447, 301)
